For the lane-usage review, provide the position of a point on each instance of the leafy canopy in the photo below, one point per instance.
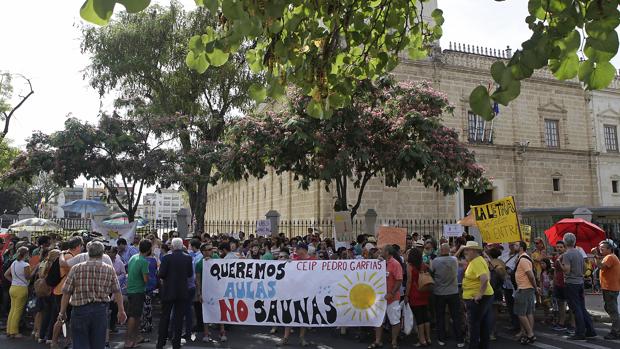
(391, 130)
(115, 148)
(325, 46)
(140, 59)
(322, 46)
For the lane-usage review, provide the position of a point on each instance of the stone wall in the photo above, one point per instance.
(518, 162)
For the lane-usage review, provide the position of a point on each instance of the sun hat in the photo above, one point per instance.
(371, 239)
(472, 245)
(369, 246)
(419, 243)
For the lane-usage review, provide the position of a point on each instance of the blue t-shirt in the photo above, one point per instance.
(152, 284)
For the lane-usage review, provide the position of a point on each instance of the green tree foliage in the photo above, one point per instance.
(141, 59)
(391, 130)
(572, 38)
(325, 46)
(9, 104)
(322, 46)
(115, 150)
(41, 189)
(10, 201)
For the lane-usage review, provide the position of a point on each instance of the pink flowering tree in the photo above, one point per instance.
(391, 130)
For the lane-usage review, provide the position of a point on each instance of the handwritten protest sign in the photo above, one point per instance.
(452, 230)
(392, 236)
(268, 293)
(498, 221)
(263, 227)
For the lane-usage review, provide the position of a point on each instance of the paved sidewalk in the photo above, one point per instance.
(596, 307)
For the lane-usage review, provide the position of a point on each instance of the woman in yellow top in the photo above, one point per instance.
(478, 295)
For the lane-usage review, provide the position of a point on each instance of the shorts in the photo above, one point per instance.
(135, 304)
(524, 302)
(420, 313)
(393, 313)
(558, 293)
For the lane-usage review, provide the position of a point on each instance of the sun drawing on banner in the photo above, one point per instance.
(113, 234)
(363, 297)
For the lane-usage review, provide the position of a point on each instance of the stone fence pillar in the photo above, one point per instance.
(583, 213)
(274, 217)
(183, 222)
(370, 221)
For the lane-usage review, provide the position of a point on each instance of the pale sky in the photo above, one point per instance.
(40, 39)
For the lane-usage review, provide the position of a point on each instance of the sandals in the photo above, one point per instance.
(525, 340)
(375, 345)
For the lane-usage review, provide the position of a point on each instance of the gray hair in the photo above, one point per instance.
(570, 239)
(95, 249)
(444, 249)
(177, 244)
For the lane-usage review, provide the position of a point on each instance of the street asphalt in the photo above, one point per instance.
(259, 337)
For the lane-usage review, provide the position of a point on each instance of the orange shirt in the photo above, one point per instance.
(63, 274)
(610, 275)
(524, 266)
(394, 277)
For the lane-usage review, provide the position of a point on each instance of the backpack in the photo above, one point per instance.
(41, 288)
(513, 273)
(53, 275)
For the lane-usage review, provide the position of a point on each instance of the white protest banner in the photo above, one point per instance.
(113, 232)
(309, 293)
(263, 227)
(452, 230)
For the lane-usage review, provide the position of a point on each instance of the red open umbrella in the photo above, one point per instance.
(588, 234)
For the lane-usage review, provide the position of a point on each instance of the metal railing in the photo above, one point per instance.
(291, 228)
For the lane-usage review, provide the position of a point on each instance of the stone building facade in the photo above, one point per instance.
(605, 109)
(547, 149)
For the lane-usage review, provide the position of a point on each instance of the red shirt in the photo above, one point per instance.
(394, 277)
(558, 273)
(417, 297)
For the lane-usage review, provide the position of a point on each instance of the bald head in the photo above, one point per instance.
(444, 249)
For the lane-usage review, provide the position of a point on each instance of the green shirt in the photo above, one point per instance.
(137, 267)
(199, 267)
(267, 256)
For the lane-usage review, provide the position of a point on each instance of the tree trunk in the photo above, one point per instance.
(200, 208)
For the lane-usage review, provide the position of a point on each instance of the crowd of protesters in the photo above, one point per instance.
(457, 287)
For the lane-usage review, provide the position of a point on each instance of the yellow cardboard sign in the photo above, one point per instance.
(498, 221)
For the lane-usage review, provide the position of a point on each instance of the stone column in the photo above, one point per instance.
(183, 222)
(370, 221)
(274, 217)
(583, 213)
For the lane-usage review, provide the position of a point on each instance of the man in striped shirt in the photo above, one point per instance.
(88, 286)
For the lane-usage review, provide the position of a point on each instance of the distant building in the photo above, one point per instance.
(53, 209)
(162, 206)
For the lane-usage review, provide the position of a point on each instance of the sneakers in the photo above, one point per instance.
(282, 342)
(559, 328)
(303, 343)
(223, 338)
(274, 330)
(592, 335)
(576, 338)
(612, 336)
(441, 344)
(460, 345)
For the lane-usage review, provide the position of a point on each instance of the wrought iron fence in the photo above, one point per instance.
(70, 226)
(291, 228)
